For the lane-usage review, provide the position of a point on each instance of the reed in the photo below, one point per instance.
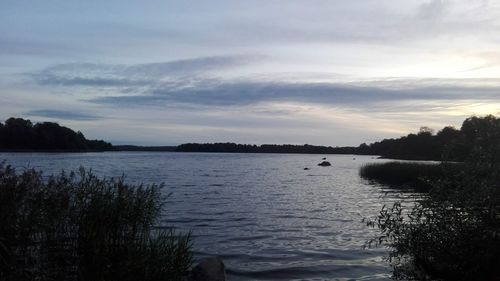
(76, 226)
(402, 175)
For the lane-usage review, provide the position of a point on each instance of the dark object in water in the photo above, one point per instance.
(324, 164)
(324, 158)
(209, 269)
(306, 168)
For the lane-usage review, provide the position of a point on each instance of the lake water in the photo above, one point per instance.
(263, 214)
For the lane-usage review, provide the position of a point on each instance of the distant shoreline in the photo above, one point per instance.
(48, 151)
(19, 135)
(209, 148)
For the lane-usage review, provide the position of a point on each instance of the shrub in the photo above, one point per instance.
(454, 232)
(79, 227)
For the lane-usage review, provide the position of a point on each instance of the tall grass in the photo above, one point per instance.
(402, 174)
(77, 226)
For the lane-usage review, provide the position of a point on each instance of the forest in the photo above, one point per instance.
(17, 134)
(448, 143)
(265, 148)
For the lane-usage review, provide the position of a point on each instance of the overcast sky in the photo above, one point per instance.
(318, 72)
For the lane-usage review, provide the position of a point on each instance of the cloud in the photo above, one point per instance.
(17, 46)
(432, 10)
(88, 81)
(192, 82)
(187, 66)
(63, 114)
(107, 75)
(254, 92)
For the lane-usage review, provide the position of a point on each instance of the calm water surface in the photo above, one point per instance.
(267, 217)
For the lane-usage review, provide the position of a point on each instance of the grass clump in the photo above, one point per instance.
(77, 226)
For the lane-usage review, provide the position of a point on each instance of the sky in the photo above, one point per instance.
(321, 72)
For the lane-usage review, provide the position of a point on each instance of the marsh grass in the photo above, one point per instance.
(77, 226)
(403, 175)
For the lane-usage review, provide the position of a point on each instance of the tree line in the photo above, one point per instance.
(17, 134)
(448, 143)
(265, 148)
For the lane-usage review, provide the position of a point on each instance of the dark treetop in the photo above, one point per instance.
(18, 134)
(448, 144)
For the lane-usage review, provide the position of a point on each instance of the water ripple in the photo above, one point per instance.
(262, 213)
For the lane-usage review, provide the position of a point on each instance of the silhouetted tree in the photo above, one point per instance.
(21, 134)
(449, 143)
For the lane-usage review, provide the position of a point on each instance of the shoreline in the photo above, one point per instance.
(374, 156)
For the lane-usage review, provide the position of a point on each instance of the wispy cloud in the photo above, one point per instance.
(253, 92)
(189, 82)
(107, 75)
(63, 115)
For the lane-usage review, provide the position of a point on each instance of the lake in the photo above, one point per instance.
(263, 214)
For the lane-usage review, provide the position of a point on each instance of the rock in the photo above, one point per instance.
(306, 168)
(324, 164)
(209, 269)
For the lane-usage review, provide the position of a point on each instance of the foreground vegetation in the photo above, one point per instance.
(453, 233)
(80, 227)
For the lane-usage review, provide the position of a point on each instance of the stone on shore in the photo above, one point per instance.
(209, 269)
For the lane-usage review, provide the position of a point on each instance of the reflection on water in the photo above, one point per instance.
(267, 217)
